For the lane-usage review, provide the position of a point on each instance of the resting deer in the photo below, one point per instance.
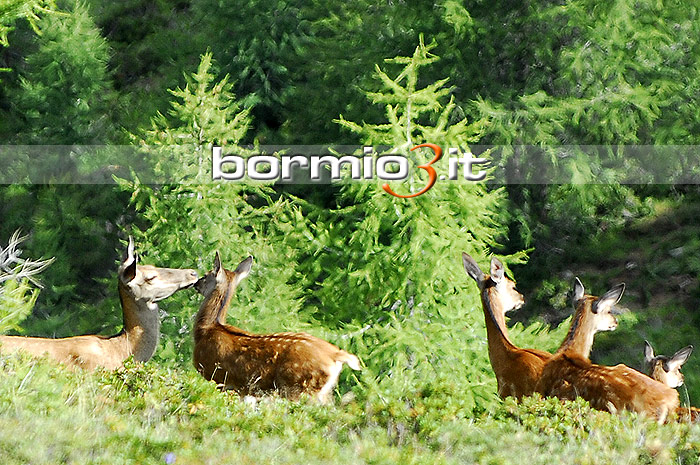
(664, 369)
(517, 370)
(667, 370)
(140, 288)
(289, 363)
(568, 374)
(504, 355)
(585, 324)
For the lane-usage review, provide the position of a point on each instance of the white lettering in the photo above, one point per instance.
(218, 161)
(253, 172)
(401, 174)
(334, 163)
(287, 163)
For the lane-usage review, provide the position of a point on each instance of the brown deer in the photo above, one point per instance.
(517, 370)
(585, 324)
(667, 370)
(289, 363)
(568, 374)
(140, 288)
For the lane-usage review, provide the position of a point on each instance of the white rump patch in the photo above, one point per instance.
(334, 373)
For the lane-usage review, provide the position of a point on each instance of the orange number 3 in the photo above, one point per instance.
(432, 176)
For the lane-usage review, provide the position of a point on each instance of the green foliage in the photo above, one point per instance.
(325, 82)
(287, 60)
(399, 259)
(372, 273)
(414, 115)
(260, 60)
(13, 10)
(395, 260)
(148, 414)
(186, 223)
(78, 225)
(64, 87)
(564, 420)
(204, 112)
(655, 256)
(17, 298)
(608, 75)
(612, 75)
(151, 44)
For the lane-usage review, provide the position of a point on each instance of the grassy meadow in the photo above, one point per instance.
(149, 414)
(377, 275)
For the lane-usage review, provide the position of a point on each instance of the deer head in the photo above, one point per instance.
(666, 370)
(140, 288)
(147, 283)
(497, 285)
(219, 276)
(600, 307)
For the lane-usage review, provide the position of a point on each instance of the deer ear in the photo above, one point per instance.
(130, 248)
(218, 269)
(608, 299)
(579, 292)
(648, 352)
(243, 269)
(497, 270)
(680, 357)
(127, 270)
(472, 268)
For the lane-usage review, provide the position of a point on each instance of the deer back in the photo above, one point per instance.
(291, 363)
(606, 388)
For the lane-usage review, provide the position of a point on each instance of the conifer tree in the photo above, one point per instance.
(64, 85)
(620, 74)
(375, 273)
(13, 10)
(189, 221)
(59, 96)
(393, 270)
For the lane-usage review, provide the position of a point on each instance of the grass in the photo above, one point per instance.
(433, 404)
(151, 414)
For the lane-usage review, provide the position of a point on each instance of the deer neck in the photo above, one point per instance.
(579, 340)
(496, 332)
(215, 307)
(141, 326)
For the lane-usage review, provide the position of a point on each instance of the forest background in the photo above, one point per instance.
(375, 274)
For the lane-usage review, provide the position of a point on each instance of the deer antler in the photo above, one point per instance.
(14, 267)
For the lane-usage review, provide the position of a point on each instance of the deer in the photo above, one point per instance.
(291, 364)
(517, 370)
(667, 370)
(141, 287)
(585, 324)
(496, 305)
(569, 374)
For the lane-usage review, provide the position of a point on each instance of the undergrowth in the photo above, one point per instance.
(151, 414)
